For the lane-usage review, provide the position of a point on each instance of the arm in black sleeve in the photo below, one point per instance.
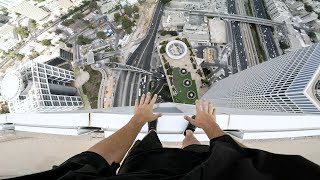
(235, 161)
(86, 165)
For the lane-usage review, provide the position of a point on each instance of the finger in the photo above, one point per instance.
(156, 116)
(210, 109)
(198, 108)
(142, 99)
(214, 112)
(188, 118)
(204, 105)
(154, 99)
(136, 104)
(147, 100)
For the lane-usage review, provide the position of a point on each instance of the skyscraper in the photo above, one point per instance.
(36, 87)
(289, 83)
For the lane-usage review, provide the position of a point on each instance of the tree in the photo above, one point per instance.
(22, 31)
(77, 16)
(68, 22)
(308, 8)
(46, 42)
(141, 1)
(135, 8)
(283, 45)
(101, 35)
(46, 25)
(117, 17)
(128, 10)
(33, 24)
(166, 1)
(58, 31)
(5, 11)
(93, 5)
(33, 55)
(69, 45)
(166, 65)
(114, 59)
(4, 109)
(127, 25)
(136, 16)
(81, 40)
(20, 56)
(163, 49)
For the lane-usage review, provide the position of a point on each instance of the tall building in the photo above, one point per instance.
(289, 83)
(37, 87)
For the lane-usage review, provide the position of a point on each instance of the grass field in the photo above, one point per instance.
(178, 79)
(91, 88)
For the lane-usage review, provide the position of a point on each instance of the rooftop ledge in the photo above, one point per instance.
(242, 124)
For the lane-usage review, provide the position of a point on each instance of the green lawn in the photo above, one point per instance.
(178, 79)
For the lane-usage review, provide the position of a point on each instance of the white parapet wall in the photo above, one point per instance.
(170, 126)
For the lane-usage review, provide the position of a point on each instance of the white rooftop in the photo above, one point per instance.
(10, 86)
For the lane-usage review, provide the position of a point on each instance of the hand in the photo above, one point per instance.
(143, 110)
(206, 119)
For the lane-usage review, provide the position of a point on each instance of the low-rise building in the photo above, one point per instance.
(197, 34)
(306, 18)
(218, 32)
(278, 10)
(174, 20)
(31, 11)
(8, 38)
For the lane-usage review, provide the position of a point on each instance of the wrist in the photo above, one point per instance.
(213, 130)
(136, 121)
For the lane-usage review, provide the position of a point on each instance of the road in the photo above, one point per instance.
(265, 31)
(251, 52)
(238, 55)
(140, 58)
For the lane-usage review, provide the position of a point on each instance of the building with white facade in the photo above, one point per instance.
(36, 87)
(197, 34)
(288, 83)
(218, 32)
(306, 18)
(26, 9)
(174, 20)
(278, 10)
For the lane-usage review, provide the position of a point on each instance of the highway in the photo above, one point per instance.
(238, 55)
(127, 92)
(265, 31)
(251, 52)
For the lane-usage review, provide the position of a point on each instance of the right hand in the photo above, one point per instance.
(206, 119)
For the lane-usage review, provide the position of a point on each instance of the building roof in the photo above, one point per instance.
(218, 30)
(6, 29)
(11, 86)
(30, 11)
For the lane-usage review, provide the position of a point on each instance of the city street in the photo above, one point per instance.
(126, 94)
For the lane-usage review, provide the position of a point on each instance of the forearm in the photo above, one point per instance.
(114, 148)
(213, 130)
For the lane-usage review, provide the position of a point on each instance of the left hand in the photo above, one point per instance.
(143, 110)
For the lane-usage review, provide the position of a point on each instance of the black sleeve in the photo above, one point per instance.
(228, 160)
(86, 165)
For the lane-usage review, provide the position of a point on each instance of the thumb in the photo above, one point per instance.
(156, 116)
(188, 118)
